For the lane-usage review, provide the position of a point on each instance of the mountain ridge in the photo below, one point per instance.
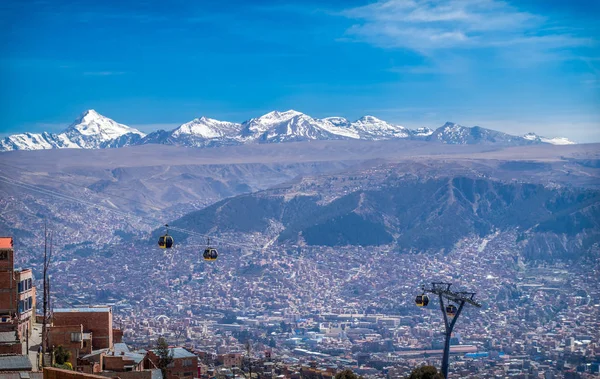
(91, 130)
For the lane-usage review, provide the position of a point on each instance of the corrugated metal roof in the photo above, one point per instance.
(21, 375)
(14, 363)
(120, 346)
(179, 352)
(9, 336)
(83, 309)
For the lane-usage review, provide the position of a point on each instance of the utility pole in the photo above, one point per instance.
(46, 290)
(248, 348)
(461, 298)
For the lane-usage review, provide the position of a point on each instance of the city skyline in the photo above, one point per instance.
(513, 67)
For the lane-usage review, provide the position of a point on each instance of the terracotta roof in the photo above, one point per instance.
(6, 242)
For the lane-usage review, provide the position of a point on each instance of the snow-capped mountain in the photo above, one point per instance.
(372, 128)
(553, 141)
(200, 132)
(292, 126)
(452, 133)
(91, 130)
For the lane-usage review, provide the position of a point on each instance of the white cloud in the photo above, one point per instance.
(427, 26)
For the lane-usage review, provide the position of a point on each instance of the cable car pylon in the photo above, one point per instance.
(449, 311)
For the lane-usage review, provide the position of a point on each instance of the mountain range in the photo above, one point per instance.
(93, 131)
(431, 209)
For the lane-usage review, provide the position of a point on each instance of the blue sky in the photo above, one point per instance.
(520, 66)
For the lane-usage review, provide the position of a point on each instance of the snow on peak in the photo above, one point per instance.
(423, 132)
(207, 128)
(89, 116)
(95, 129)
(267, 121)
(532, 137)
(553, 141)
(276, 116)
(370, 127)
(338, 121)
(558, 141)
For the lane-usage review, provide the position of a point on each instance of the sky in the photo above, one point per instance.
(515, 66)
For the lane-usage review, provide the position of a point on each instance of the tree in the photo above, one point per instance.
(425, 372)
(61, 357)
(165, 355)
(347, 374)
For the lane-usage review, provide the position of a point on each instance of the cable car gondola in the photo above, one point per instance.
(210, 253)
(422, 300)
(451, 310)
(166, 241)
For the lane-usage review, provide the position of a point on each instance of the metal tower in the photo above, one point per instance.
(461, 298)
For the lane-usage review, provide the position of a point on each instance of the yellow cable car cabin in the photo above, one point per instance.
(210, 254)
(422, 300)
(165, 242)
(451, 310)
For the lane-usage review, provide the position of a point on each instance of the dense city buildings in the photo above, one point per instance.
(339, 308)
(295, 311)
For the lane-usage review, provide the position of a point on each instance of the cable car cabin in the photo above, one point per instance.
(451, 310)
(210, 254)
(165, 242)
(422, 300)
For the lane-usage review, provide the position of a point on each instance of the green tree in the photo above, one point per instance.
(165, 355)
(61, 355)
(425, 372)
(347, 374)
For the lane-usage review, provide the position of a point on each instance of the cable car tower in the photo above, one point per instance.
(449, 311)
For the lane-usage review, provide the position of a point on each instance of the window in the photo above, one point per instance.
(3, 255)
(187, 362)
(76, 337)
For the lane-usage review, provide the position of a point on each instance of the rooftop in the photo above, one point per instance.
(82, 309)
(15, 363)
(6, 242)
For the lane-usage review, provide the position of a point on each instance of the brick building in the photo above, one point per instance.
(72, 338)
(231, 359)
(184, 365)
(17, 299)
(97, 321)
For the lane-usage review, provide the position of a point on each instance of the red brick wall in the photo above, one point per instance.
(99, 323)
(56, 373)
(61, 335)
(7, 284)
(178, 370)
(15, 348)
(117, 335)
